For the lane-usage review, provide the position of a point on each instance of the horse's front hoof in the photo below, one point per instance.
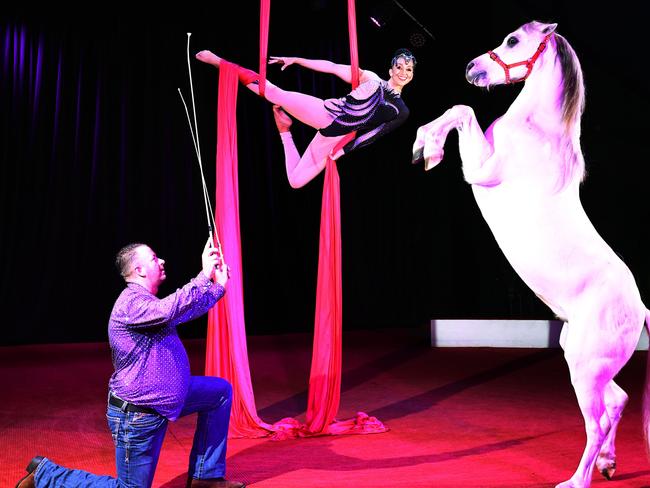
(418, 155)
(433, 160)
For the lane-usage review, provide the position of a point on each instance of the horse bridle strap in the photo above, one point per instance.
(528, 63)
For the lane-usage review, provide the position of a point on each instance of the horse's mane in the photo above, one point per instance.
(573, 104)
(573, 99)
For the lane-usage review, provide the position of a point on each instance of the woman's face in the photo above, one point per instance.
(401, 73)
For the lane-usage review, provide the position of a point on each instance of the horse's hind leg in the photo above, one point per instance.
(615, 401)
(592, 366)
(587, 379)
(593, 363)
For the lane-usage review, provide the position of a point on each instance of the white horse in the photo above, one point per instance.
(525, 172)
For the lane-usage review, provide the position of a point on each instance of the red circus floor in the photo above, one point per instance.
(462, 417)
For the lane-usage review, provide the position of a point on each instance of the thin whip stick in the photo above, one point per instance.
(197, 148)
(208, 206)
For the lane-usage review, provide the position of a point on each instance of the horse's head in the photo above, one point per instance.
(536, 49)
(513, 60)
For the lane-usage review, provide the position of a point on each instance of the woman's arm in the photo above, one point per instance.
(343, 71)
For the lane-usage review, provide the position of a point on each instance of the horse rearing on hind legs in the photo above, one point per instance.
(525, 172)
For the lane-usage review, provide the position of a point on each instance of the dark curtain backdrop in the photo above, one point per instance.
(95, 152)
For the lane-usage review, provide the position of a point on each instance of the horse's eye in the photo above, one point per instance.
(512, 41)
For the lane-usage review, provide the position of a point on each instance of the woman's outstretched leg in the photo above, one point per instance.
(307, 109)
(246, 76)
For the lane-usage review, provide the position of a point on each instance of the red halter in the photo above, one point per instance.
(529, 63)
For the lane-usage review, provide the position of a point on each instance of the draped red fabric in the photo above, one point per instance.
(265, 15)
(354, 48)
(227, 354)
(325, 374)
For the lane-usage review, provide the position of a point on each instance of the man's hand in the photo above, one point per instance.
(222, 273)
(213, 266)
(210, 259)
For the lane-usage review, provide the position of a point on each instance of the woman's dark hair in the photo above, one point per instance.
(403, 53)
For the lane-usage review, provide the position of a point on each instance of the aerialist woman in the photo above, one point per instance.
(373, 109)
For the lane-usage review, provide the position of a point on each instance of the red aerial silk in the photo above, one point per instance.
(354, 49)
(265, 15)
(226, 354)
(226, 345)
(325, 375)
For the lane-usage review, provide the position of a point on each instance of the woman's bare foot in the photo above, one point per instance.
(282, 119)
(208, 57)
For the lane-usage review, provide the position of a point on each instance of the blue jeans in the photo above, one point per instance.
(138, 438)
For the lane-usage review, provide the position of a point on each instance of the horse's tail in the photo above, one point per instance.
(646, 393)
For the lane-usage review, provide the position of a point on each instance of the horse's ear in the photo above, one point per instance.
(542, 27)
(548, 28)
